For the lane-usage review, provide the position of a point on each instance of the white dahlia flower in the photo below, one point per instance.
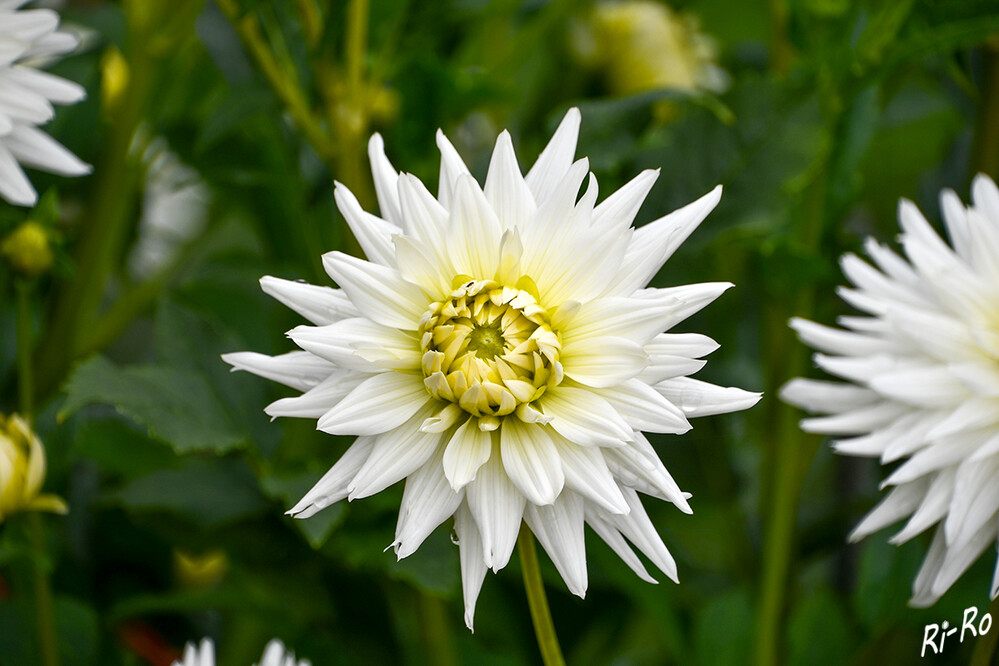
(26, 99)
(499, 352)
(923, 373)
(275, 654)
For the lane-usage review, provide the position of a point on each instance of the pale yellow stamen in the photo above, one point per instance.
(489, 349)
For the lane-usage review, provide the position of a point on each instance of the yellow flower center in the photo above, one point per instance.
(489, 348)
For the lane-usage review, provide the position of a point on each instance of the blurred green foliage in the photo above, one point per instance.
(835, 110)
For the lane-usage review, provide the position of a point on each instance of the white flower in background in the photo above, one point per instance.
(26, 99)
(923, 373)
(175, 206)
(275, 654)
(499, 352)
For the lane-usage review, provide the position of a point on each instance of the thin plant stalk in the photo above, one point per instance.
(44, 619)
(541, 616)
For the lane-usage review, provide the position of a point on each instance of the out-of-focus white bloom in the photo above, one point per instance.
(174, 210)
(275, 654)
(644, 45)
(22, 470)
(500, 351)
(26, 99)
(923, 373)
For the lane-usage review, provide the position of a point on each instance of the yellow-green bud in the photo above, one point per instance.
(114, 79)
(27, 250)
(200, 571)
(22, 470)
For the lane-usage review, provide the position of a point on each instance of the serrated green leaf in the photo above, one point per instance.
(176, 405)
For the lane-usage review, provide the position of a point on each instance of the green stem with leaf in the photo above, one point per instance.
(541, 616)
(44, 619)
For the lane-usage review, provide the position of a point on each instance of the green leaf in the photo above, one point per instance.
(176, 405)
(209, 493)
(78, 628)
(723, 629)
(119, 448)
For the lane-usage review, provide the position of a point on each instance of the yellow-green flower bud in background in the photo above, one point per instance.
(27, 250)
(642, 45)
(114, 79)
(22, 470)
(199, 571)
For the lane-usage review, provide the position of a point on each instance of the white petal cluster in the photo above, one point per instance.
(26, 98)
(275, 654)
(499, 351)
(923, 382)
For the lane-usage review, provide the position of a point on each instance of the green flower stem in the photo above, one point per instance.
(284, 83)
(24, 375)
(541, 616)
(48, 650)
(985, 647)
(311, 19)
(48, 647)
(787, 460)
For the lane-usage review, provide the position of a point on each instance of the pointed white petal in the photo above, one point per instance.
(332, 487)
(473, 567)
(582, 416)
(377, 405)
(386, 179)
(505, 188)
(498, 508)
(587, 473)
(555, 159)
(373, 234)
(299, 370)
(696, 398)
(603, 361)
(380, 293)
(531, 460)
(320, 305)
(469, 448)
(395, 455)
(559, 528)
(427, 501)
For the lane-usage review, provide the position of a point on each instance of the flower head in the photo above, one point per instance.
(643, 45)
(22, 470)
(499, 352)
(26, 99)
(923, 382)
(275, 654)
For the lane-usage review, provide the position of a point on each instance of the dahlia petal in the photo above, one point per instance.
(30, 24)
(922, 593)
(373, 234)
(474, 232)
(696, 398)
(554, 161)
(426, 218)
(654, 243)
(395, 455)
(587, 474)
(467, 451)
(34, 148)
(559, 529)
(427, 501)
(531, 461)
(900, 502)
(332, 487)
(612, 537)
(855, 421)
(637, 527)
(319, 399)
(55, 88)
(505, 188)
(975, 499)
(473, 566)
(921, 387)
(417, 265)
(386, 182)
(956, 220)
(836, 341)
(498, 508)
(823, 396)
(619, 209)
(320, 305)
(360, 344)
(299, 370)
(644, 408)
(690, 345)
(632, 318)
(379, 292)
(959, 558)
(583, 417)
(382, 403)
(451, 168)
(933, 507)
(14, 185)
(603, 361)
(973, 413)
(637, 466)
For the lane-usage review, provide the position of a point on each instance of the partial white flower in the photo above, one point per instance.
(275, 654)
(174, 209)
(499, 352)
(26, 98)
(923, 373)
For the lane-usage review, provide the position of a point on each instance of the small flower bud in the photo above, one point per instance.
(114, 79)
(27, 250)
(22, 470)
